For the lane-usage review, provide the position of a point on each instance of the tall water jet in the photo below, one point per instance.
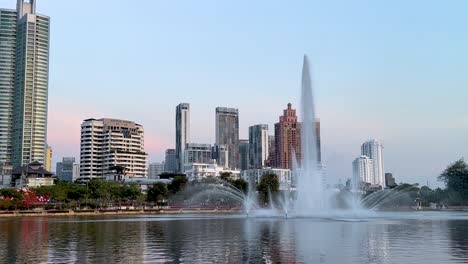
(310, 188)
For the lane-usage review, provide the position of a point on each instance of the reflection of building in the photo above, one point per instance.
(31, 176)
(258, 146)
(170, 160)
(155, 169)
(182, 133)
(227, 133)
(107, 143)
(244, 154)
(284, 176)
(373, 150)
(198, 171)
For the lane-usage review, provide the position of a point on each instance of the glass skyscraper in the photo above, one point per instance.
(24, 77)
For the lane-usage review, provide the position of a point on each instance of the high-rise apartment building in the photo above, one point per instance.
(287, 139)
(244, 155)
(258, 146)
(155, 169)
(24, 78)
(271, 151)
(373, 149)
(227, 133)
(107, 143)
(170, 160)
(182, 133)
(363, 171)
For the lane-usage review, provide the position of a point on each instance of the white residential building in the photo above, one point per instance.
(363, 171)
(373, 149)
(106, 143)
(198, 171)
(254, 176)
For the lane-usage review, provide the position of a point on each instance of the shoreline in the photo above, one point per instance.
(9, 214)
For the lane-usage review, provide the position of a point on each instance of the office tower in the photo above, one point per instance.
(48, 159)
(227, 133)
(170, 161)
(64, 169)
(108, 143)
(363, 171)
(287, 139)
(155, 169)
(182, 133)
(373, 150)
(220, 153)
(197, 153)
(244, 154)
(258, 146)
(24, 77)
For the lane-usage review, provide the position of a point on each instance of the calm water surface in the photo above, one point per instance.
(389, 238)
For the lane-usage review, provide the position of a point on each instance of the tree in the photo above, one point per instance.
(157, 192)
(177, 184)
(455, 177)
(241, 184)
(269, 184)
(225, 176)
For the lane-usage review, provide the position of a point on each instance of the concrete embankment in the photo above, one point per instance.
(113, 212)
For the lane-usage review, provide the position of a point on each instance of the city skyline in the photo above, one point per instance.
(407, 80)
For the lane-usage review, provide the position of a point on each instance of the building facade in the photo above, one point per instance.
(197, 153)
(258, 146)
(170, 161)
(64, 169)
(155, 169)
(48, 159)
(199, 171)
(287, 139)
(227, 133)
(390, 180)
(373, 149)
(244, 155)
(107, 143)
(220, 153)
(24, 78)
(182, 133)
(254, 176)
(363, 171)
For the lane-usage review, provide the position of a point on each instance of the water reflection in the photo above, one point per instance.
(231, 240)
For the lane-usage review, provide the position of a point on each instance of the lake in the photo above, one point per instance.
(413, 237)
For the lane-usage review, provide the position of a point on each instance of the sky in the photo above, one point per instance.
(391, 70)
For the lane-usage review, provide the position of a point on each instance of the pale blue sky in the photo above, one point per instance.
(393, 70)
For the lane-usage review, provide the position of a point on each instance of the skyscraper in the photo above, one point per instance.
(244, 155)
(64, 169)
(155, 169)
(287, 139)
(170, 161)
(227, 133)
(258, 146)
(182, 133)
(24, 78)
(106, 143)
(373, 150)
(220, 153)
